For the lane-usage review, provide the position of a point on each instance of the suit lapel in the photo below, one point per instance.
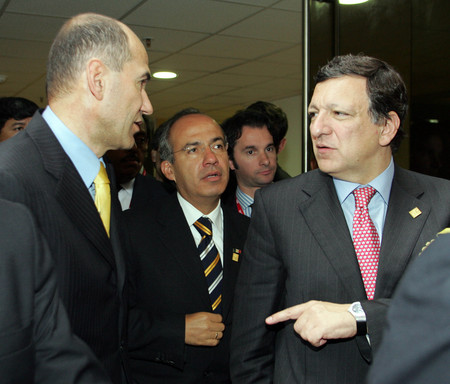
(401, 231)
(325, 219)
(232, 240)
(70, 191)
(176, 236)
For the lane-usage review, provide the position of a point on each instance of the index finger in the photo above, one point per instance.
(291, 313)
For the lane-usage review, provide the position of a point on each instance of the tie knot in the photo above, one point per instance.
(102, 176)
(363, 196)
(204, 226)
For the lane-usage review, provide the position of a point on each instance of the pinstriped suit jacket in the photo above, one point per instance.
(35, 170)
(299, 249)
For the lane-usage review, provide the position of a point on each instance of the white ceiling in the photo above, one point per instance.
(228, 53)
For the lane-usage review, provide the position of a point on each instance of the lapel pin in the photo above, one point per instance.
(415, 212)
(236, 253)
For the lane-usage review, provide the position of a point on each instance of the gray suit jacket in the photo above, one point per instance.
(35, 171)
(298, 249)
(36, 342)
(415, 347)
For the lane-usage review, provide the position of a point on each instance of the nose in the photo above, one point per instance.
(209, 157)
(146, 107)
(264, 158)
(319, 126)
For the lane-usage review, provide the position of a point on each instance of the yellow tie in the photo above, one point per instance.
(103, 196)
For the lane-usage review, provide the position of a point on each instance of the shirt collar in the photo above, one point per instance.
(244, 199)
(192, 214)
(82, 157)
(382, 183)
(128, 186)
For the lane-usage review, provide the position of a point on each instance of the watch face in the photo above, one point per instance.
(356, 307)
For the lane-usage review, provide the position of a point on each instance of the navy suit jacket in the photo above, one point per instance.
(35, 170)
(298, 249)
(169, 283)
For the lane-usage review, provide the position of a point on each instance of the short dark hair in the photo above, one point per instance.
(385, 87)
(276, 115)
(16, 108)
(232, 127)
(80, 39)
(165, 148)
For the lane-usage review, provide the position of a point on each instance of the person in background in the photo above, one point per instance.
(252, 153)
(326, 249)
(279, 122)
(97, 72)
(15, 114)
(135, 187)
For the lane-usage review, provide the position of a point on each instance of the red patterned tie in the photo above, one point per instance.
(365, 239)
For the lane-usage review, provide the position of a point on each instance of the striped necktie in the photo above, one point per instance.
(211, 263)
(103, 197)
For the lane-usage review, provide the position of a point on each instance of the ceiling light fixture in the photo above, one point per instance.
(352, 2)
(165, 75)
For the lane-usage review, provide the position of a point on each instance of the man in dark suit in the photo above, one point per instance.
(136, 189)
(190, 315)
(96, 92)
(306, 251)
(416, 343)
(36, 342)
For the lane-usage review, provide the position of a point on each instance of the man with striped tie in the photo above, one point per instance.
(185, 257)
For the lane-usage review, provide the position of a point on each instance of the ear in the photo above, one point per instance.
(167, 170)
(230, 162)
(96, 72)
(282, 144)
(389, 129)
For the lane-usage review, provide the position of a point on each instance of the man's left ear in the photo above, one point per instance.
(281, 145)
(389, 129)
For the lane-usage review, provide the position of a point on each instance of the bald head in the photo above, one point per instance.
(80, 39)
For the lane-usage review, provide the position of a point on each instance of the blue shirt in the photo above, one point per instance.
(378, 204)
(245, 201)
(82, 157)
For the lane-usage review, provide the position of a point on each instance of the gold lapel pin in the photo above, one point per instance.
(236, 253)
(415, 212)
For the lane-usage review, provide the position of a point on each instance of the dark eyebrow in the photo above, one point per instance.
(217, 139)
(191, 144)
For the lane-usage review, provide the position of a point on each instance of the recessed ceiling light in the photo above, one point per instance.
(165, 75)
(433, 121)
(351, 2)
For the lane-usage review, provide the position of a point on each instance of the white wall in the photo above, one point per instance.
(291, 157)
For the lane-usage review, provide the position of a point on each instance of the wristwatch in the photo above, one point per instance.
(360, 316)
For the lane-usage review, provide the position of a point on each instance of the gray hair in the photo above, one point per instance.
(165, 148)
(81, 38)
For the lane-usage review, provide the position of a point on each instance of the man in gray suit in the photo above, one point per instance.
(96, 76)
(303, 248)
(420, 309)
